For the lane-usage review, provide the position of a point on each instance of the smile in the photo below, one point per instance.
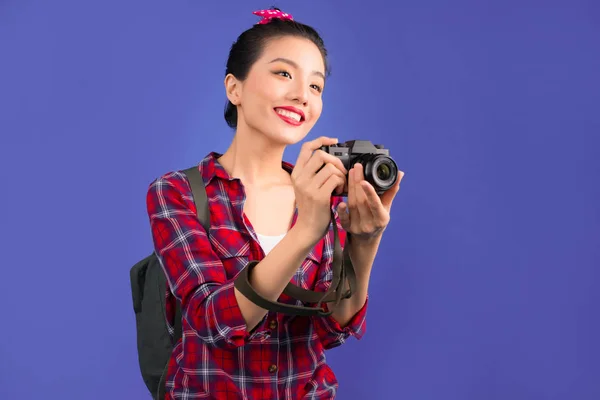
(290, 115)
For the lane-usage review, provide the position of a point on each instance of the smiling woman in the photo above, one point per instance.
(268, 64)
(286, 81)
(266, 211)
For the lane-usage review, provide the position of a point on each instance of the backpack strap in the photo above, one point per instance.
(203, 212)
(199, 193)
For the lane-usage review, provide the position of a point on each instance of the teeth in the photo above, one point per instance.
(289, 114)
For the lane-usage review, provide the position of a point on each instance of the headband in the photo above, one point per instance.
(268, 15)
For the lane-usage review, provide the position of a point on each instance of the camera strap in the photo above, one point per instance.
(342, 269)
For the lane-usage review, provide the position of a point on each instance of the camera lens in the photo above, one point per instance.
(380, 171)
(383, 172)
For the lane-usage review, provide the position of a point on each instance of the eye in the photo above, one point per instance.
(284, 74)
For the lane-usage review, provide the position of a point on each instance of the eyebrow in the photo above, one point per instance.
(293, 64)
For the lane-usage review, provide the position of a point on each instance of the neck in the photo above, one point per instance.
(253, 158)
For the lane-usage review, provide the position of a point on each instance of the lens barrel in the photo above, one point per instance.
(380, 170)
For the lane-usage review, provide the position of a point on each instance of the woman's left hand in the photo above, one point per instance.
(369, 213)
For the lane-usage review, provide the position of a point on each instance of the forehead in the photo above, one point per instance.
(299, 50)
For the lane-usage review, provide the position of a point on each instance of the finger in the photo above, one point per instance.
(388, 197)
(374, 202)
(352, 206)
(344, 216)
(309, 147)
(360, 195)
(321, 177)
(333, 182)
(319, 158)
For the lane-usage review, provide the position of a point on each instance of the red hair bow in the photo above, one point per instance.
(268, 15)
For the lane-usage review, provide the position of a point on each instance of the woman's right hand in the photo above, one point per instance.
(315, 177)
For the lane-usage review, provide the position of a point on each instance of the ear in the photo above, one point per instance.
(232, 88)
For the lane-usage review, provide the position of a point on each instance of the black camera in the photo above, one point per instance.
(380, 169)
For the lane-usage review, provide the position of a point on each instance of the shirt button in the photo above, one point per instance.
(273, 324)
(272, 368)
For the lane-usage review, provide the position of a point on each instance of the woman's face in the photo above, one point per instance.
(282, 94)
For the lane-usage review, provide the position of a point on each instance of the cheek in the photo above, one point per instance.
(316, 110)
(261, 98)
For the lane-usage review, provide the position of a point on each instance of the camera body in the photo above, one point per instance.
(379, 168)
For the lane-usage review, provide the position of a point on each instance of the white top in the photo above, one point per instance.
(268, 242)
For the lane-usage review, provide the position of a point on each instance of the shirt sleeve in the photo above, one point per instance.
(330, 332)
(195, 273)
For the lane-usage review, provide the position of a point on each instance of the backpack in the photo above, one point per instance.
(149, 286)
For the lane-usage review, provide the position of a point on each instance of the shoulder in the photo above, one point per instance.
(168, 180)
(174, 185)
(167, 187)
(168, 195)
(177, 179)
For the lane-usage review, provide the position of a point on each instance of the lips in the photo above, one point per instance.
(291, 115)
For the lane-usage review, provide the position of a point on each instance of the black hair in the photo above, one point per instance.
(249, 46)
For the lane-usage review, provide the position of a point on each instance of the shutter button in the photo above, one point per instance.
(273, 368)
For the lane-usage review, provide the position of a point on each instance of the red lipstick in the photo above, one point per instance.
(289, 120)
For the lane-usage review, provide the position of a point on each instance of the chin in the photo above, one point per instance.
(280, 133)
(287, 137)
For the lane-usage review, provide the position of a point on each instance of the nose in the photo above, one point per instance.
(299, 91)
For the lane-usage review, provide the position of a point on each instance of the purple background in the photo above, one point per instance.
(486, 286)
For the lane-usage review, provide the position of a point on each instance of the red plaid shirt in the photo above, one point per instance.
(283, 358)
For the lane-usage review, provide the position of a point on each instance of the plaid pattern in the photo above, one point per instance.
(218, 358)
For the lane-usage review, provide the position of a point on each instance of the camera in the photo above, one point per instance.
(379, 168)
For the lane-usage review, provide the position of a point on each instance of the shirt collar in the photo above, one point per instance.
(211, 168)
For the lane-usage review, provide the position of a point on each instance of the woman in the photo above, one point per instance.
(265, 209)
